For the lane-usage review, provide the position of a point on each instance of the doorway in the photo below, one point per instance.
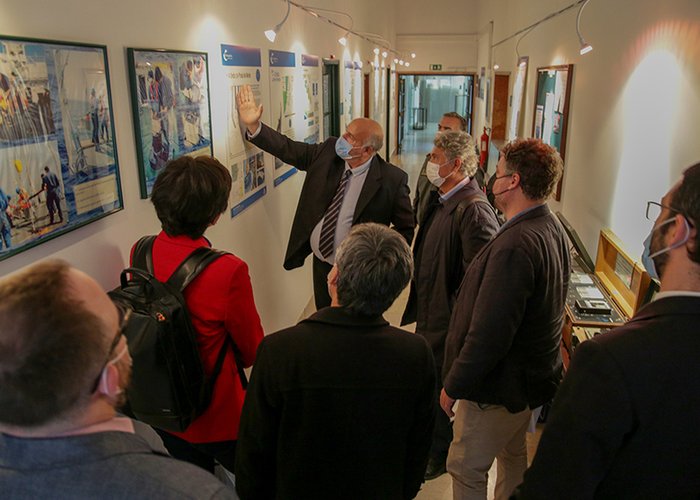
(424, 98)
(500, 107)
(331, 99)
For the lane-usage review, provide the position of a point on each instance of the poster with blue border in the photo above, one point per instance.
(282, 104)
(58, 156)
(170, 104)
(311, 71)
(245, 161)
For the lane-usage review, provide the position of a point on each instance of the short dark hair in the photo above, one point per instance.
(686, 200)
(51, 346)
(462, 120)
(374, 266)
(538, 165)
(190, 193)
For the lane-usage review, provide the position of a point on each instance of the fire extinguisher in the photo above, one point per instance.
(484, 147)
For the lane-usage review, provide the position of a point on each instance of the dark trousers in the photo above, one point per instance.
(321, 270)
(201, 454)
(442, 433)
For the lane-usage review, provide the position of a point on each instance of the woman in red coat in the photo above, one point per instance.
(189, 195)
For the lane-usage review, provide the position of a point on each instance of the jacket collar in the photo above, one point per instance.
(666, 306)
(372, 184)
(343, 317)
(469, 189)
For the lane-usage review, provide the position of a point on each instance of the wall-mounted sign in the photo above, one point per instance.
(436, 67)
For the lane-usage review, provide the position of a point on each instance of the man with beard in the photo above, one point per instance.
(623, 422)
(502, 358)
(64, 365)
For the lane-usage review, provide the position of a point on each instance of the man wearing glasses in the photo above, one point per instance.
(64, 366)
(624, 423)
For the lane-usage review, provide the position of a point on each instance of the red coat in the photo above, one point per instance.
(220, 302)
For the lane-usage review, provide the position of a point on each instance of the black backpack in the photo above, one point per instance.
(169, 387)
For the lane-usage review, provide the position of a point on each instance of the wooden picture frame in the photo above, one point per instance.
(551, 111)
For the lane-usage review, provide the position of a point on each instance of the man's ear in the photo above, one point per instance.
(332, 278)
(109, 381)
(681, 232)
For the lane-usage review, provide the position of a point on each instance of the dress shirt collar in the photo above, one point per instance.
(451, 192)
(360, 169)
(513, 219)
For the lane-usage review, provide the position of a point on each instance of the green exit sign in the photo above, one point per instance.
(436, 67)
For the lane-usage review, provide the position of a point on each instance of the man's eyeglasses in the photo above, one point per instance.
(654, 210)
(124, 316)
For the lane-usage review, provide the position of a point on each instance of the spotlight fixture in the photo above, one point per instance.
(401, 62)
(496, 66)
(408, 64)
(384, 54)
(343, 40)
(413, 55)
(396, 61)
(585, 47)
(376, 51)
(272, 34)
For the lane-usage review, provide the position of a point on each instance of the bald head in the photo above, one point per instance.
(367, 132)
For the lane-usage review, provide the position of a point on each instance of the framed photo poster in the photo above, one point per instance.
(170, 103)
(551, 116)
(58, 156)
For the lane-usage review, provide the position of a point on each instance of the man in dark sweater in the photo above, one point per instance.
(502, 355)
(341, 405)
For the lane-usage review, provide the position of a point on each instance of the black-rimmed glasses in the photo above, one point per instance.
(124, 316)
(654, 210)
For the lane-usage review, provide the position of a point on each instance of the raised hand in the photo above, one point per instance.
(248, 110)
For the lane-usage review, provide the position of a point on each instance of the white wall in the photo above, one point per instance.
(635, 101)
(259, 235)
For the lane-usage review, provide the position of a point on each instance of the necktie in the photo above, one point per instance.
(330, 220)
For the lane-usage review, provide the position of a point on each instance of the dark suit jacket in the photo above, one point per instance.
(384, 197)
(339, 406)
(503, 341)
(624, 423)
(446, 243)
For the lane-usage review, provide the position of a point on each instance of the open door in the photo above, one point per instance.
(331, 99)
(500, 107)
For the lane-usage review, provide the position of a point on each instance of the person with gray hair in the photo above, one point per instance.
(450, 122)
(64, 369)
(341, 405)
(458, 222)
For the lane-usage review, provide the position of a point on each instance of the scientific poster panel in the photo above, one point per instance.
(246, 162)
(347, 112)
(58, 159)
(282, 104)
(311, 71)
(357, 91)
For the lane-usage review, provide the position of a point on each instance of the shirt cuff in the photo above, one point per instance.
(254, 134)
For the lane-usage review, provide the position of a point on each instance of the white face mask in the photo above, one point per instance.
(432, 172)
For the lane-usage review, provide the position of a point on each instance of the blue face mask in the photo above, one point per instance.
(343, 148)
(648, 256)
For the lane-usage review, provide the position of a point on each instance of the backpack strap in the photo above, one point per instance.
(477, 197)
(143, 253)
(187, 271)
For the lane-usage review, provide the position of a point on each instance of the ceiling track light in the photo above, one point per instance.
(585, 47)
(272, 34)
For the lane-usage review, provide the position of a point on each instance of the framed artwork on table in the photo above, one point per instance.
(551, 115)
(171, 108)
(58, 156)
